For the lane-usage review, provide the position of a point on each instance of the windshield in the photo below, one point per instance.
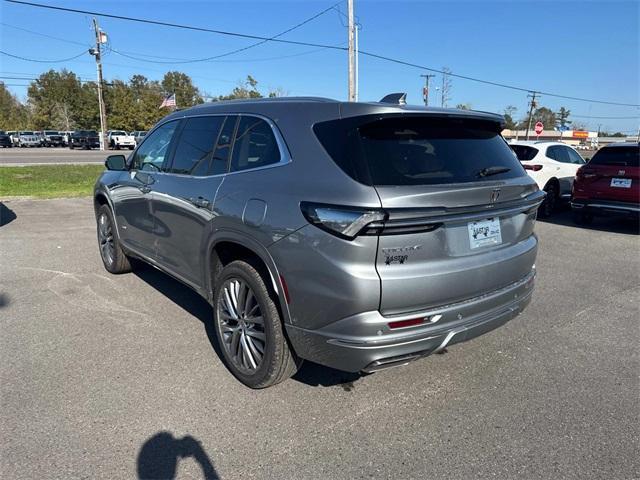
(26, 133)
(118, 132)
(419, 150)
(50, 132)
(620, 156)
(87, 132)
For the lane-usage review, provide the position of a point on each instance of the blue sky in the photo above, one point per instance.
(582, 49)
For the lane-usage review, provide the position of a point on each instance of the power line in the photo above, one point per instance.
(45, 35)
(43, 61)
(237, 50)
(177, 25)
(606, 118)
(319, 45)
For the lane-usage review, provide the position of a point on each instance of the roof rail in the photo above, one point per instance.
(399, 98)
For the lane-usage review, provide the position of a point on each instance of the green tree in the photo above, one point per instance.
(509, 113)
(562, 117)
(246, 89)
(53, 93)
(541, 114)
(13, 114)
(187, 94)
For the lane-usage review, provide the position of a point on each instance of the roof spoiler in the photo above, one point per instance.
(399, 98)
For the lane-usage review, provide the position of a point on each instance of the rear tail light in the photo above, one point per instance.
(535, 167)
(406, 323)
(584, 172)
(344, 222)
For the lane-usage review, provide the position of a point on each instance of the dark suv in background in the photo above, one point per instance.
(84, 139)
(357, 235)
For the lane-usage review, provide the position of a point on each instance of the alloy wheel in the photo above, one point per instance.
(241, 325)
(105, 237)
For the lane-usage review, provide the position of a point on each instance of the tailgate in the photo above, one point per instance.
(431, 257)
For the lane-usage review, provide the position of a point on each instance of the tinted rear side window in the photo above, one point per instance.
(255, 145)
(620, 156)
(524, 152)
(419, 150)
(195, 145)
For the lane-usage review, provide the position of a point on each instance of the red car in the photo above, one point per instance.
(609, 183)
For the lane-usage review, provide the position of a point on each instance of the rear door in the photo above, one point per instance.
(613, 174)
(461, 210)
(184, 194)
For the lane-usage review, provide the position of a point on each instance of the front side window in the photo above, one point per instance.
(195, 146)
(255, 145)
(151, 154)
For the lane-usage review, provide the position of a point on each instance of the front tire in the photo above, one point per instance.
(249, 329)
(113, 257)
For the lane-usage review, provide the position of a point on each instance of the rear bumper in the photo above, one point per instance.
(595, 207)
(364, 342)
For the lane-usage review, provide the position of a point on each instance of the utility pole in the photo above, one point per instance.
(532, 105)
(352, 61)
(425, 94)
(100, 39)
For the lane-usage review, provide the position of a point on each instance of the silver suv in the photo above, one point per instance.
(359, 236)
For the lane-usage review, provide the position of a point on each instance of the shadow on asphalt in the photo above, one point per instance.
(310, 373)
(6, 215)
(159, 456)
(4, 300)
(613, 224)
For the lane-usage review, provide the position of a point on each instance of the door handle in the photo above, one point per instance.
(200, 202)
(145, 189)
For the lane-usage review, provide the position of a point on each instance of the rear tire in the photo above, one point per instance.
(249, 328)
(550, 201)
(113, 257)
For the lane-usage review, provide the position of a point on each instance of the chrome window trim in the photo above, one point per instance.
(285, 155)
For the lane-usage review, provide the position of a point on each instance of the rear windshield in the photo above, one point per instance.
(418, 150)
(50, 132)
(26, 133)
(119, 133)
(89, 133)
(524, 152)
(621, 156)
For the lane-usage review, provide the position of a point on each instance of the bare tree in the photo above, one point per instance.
(446, 87)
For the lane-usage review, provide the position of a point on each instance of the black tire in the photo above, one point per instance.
(113, 257)
(71, 146)
(278, 361)
(550, 202)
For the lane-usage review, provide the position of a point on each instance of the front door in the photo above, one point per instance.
(132, 200)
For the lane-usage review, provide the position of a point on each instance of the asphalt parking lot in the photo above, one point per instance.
(107, 376)
(51, 155)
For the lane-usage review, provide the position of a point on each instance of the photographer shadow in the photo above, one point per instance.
(159, 457)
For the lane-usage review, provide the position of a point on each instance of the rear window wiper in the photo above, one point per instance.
(487, 172)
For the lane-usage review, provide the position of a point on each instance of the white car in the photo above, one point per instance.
(553, 166)
(120, 139)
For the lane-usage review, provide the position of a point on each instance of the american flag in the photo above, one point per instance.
(169, 101)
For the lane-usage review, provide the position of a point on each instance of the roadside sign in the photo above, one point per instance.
(539, 128)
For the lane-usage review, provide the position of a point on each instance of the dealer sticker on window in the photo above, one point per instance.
(484, 233)
(621, 182)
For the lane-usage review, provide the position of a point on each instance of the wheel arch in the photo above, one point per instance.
(227, 246)
(555, 182)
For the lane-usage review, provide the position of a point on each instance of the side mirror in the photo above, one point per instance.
(115, 162)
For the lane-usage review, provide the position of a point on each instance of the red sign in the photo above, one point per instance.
(539, 128)
(580, 134)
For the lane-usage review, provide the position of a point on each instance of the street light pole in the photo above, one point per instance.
(352, 67)
(426, 88)
(103, 115)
